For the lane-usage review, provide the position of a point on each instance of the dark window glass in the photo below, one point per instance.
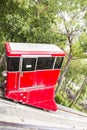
(12, 63)
(58, 63)
(45, 63)
(28, 64)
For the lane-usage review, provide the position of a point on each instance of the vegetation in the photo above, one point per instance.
(62, 22)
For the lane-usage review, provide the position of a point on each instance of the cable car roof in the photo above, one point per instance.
(18, 49)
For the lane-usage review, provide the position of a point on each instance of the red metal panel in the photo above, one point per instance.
(43, 78)
(19, 96)
(12, 80)
(39, 79)
(46, 78)
(27, 79)
(39, 97)
(42, 98)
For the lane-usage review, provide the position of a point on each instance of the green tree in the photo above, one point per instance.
(69, 23)
(28, 21)
(83, 42)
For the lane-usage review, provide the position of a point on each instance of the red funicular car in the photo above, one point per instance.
(32, 72)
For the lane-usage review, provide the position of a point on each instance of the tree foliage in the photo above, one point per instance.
(70, 23)
(28, 21)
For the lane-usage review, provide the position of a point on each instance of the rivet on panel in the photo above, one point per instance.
(24, 97)
(21, 94)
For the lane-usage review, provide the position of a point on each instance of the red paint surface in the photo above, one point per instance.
(37, 88)
(43, 78)
(42, 98)
(12, 81)
(26, 79)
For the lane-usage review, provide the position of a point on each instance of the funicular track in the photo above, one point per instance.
(15, 116)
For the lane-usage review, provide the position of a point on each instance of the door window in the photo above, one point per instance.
(28, 64)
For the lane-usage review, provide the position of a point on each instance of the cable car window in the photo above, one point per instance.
(45, 63)
(28, 64)
(58, 63)
(12, 63)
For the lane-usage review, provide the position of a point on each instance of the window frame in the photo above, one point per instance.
(38, 56)
(31, 56)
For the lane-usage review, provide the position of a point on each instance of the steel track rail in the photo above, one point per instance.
(72, 112)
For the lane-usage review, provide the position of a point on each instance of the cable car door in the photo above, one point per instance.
(27, 72)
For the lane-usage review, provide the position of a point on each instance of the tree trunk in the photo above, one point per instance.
(1, 60)
(63, 74)
(79, 92)
(70, 39)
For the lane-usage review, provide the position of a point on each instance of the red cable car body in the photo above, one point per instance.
(32, 73)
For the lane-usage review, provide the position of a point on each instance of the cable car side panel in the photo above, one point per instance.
(12, 81)
(42, 98)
